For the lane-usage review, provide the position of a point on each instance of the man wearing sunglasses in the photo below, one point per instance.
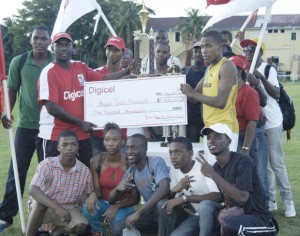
(273, 128)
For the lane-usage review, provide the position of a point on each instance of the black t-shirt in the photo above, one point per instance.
(240, 171)
(193, 77)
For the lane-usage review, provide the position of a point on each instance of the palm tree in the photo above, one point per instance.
(192, 25)
(125, 18)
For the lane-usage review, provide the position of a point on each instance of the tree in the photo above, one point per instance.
(192, 25)
(7, 41)
(123, 17)
(126, 20)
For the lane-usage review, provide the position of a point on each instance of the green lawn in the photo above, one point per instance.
(288, 226)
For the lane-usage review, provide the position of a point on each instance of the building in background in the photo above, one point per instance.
(281, 37)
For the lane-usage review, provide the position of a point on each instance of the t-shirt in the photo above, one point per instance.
(65, 188)
(29, 108)
(240, 171)
(193, 77)
(65, 88)
(271, 109)
(147, 182)
(213, 115)
(247, 106)
(202, 185)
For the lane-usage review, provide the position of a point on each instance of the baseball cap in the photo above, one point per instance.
(240, 62)
(116, 41)
(61, 35)
(197, 44)
(246, 42)
(219, 128)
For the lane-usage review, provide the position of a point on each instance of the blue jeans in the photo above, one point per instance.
(276, 165)
(155, 219)
(208, 211)
(262, 160)
(24, 147)
(258, 152)
(98, 217)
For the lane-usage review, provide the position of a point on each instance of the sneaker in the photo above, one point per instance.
(289, 208)
(3, 225)
(272, 205)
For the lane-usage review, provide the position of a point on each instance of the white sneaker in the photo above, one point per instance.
(272, 205)
(289, 208)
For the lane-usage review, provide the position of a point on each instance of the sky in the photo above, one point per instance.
(172, 8)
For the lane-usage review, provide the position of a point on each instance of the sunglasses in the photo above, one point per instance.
(250, 49)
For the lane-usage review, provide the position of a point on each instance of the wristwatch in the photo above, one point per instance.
(184, 198)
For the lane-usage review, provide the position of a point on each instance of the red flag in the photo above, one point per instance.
(254, 16)
(216, 2)
(2, 73)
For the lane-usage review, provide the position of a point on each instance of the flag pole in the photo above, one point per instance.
(11, 138)
(100, 12)
(243, 27)
(261, 36)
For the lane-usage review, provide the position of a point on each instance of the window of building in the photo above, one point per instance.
(270, 31)
(293, 36)
(177, 36)
(275, 31)
(282, 31)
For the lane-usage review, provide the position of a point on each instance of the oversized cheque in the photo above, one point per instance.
(155, 101)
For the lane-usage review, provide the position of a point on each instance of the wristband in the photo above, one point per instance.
(246, 148)
(184, 198)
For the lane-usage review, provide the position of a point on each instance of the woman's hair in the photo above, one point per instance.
(108, 126)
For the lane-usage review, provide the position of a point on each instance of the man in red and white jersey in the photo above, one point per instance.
(61, 95)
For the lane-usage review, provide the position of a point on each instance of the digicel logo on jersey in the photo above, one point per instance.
(73, 95)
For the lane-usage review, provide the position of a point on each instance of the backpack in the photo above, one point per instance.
(20, 67)
(286, 106)
(149, 164)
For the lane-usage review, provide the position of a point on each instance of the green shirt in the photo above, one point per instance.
(29, 108)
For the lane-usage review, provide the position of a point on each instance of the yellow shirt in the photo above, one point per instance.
(212, 115)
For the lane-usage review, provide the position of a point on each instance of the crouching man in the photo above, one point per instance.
(58, 188)
(245, 210)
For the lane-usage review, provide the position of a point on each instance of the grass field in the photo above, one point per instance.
(288, 226)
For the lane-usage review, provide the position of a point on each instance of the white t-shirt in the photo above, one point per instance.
(272, 109)
(202, 185)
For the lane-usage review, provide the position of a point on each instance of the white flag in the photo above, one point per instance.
(71, 10)
(235, 7)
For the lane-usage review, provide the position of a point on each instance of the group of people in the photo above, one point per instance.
(85, 177)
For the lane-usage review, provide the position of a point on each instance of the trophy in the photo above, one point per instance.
(166, 135)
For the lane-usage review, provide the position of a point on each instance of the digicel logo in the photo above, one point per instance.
(73, 95)
(100, 90)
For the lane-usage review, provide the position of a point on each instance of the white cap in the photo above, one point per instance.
(219, 128)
